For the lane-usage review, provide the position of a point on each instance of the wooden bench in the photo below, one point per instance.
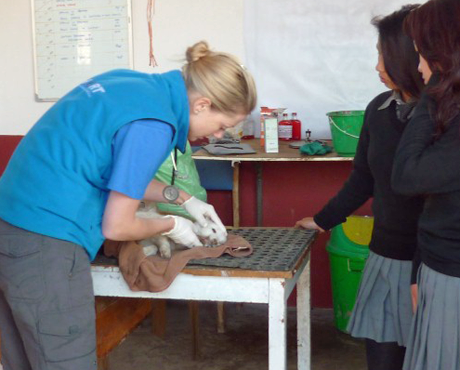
(127, 313)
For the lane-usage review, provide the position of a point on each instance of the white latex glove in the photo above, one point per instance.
(183, 233)
(201, 211)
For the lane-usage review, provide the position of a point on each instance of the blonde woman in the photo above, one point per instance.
(78, 176)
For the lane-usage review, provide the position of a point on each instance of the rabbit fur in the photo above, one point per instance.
(210, 235)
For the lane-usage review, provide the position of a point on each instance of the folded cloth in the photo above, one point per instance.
(155, 274)
(315, 148)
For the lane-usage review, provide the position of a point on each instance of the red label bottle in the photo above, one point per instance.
(285, 128)
(296, 127)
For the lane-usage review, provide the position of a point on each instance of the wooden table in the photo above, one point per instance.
(286, 154)
(198, 283)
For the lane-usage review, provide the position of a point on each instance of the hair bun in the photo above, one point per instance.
(219, 77)
(197, 51)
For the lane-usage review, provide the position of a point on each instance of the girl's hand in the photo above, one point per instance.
(414, 296)
(308, 223)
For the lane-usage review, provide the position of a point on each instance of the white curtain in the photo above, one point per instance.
(314, 56)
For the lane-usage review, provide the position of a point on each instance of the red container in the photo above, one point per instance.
(285, 128)
(296, 127)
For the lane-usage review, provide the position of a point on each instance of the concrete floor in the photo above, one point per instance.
(244, 346)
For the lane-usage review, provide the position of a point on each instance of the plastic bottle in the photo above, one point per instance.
(296, 127)
(248, 128)
(285, 128)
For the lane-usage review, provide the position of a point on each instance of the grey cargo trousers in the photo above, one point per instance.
(47, 314)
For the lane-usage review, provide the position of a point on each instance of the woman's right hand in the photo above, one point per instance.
(308, 223)
(183, 232)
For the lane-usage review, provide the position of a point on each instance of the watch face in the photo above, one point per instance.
(171, 193)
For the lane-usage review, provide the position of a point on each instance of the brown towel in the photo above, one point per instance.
(155, 274)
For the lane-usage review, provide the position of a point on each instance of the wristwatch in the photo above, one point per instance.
(171, 193)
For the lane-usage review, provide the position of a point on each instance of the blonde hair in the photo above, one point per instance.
(220, 78)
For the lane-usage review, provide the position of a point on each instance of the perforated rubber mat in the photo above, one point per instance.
(273, 250)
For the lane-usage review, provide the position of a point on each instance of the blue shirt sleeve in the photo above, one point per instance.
(139, 149)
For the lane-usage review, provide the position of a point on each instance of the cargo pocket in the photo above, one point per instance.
(21, 269)
(69, 335)
(80, 279)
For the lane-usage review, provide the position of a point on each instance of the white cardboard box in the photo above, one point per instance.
(271, 135)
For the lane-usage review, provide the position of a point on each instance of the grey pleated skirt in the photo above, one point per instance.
(434, 340)
(383, 308)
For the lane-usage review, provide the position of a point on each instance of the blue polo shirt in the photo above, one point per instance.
(138, 150)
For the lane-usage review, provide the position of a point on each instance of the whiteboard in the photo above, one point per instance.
(77, 39)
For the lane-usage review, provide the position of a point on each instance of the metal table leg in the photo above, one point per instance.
(236, 194)
(259, 193)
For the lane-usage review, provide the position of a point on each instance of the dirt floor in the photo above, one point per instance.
(244, 345)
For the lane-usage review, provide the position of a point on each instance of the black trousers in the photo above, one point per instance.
(384, 356)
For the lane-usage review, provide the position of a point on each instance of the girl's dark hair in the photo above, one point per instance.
(435, 29)
(399, 55)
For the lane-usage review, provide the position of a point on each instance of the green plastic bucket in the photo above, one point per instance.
(348, 249)
(345, 129)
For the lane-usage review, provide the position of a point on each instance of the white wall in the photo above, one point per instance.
(177, 25)
(314, 57)
(307, 55)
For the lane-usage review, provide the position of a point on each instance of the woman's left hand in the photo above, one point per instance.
(202, 211)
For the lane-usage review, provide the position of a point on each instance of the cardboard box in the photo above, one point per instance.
(265, 113)
(271, 135)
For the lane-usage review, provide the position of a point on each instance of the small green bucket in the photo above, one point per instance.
(345, 129)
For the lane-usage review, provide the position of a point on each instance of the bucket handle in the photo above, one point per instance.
(331, 121)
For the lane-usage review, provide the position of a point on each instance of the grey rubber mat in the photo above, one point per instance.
(273, 250)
